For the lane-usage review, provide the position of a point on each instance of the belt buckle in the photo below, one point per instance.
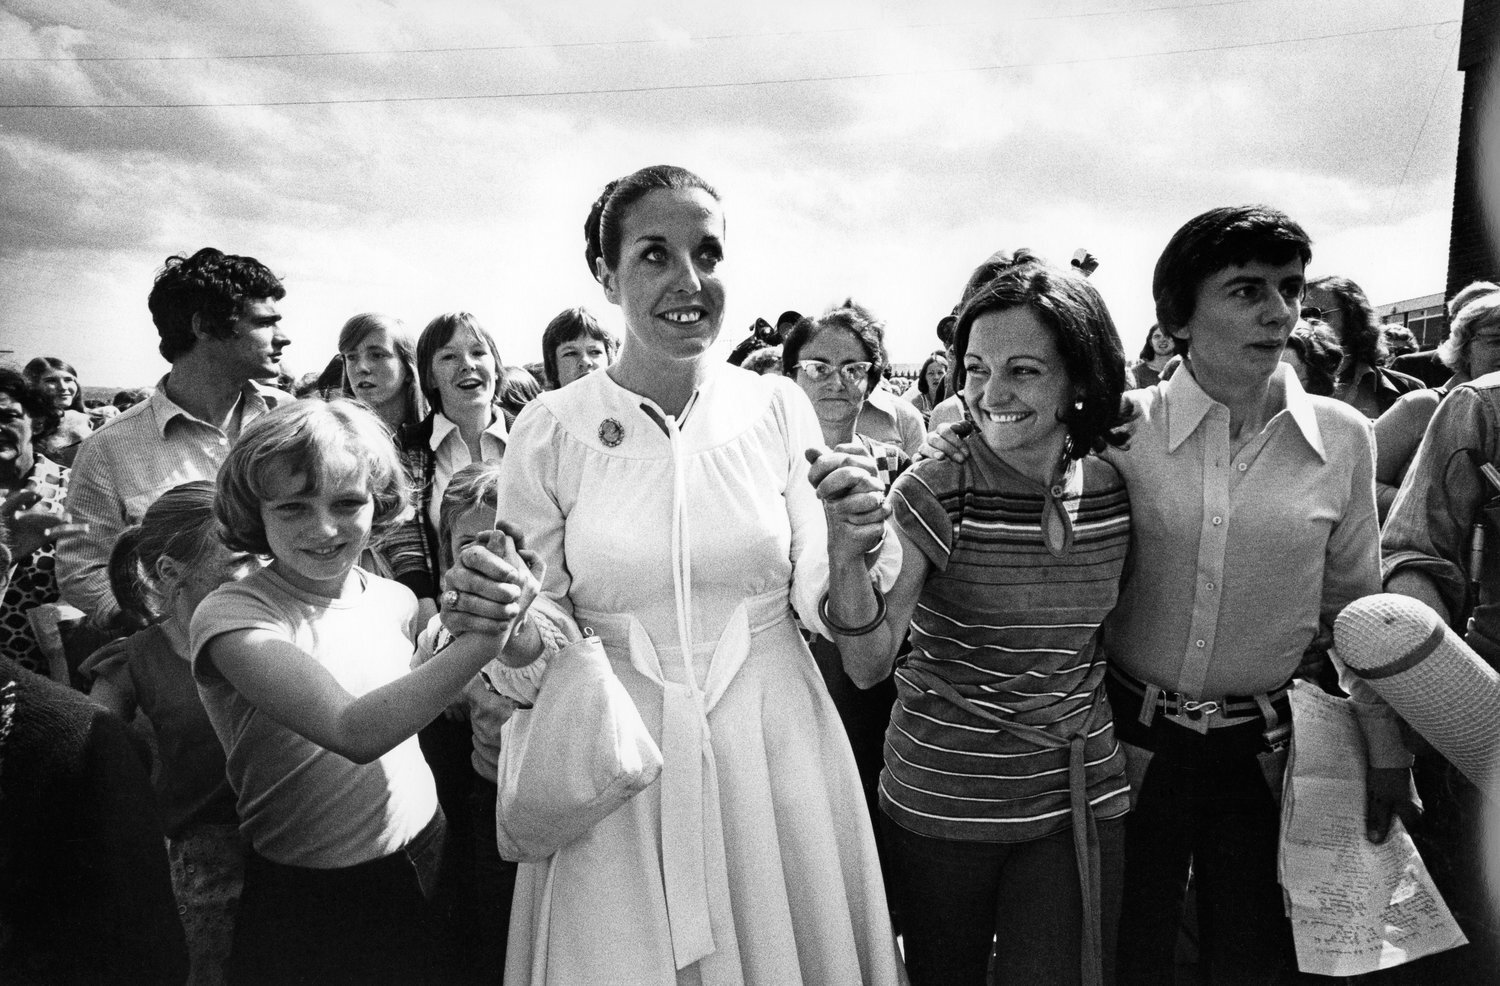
(1193, 715)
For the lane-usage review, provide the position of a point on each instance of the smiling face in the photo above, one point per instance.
(666, 281)
(464, 373)
(839, 396)
(61, 386)
(316, 530)
(1161, 342)
(1017, 390)
(1240, 324)
(579, 357)
(374, 372)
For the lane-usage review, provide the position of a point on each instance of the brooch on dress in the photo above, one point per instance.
(611, 432)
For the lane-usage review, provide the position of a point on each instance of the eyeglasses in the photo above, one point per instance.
(1313, 311)
(817, 371)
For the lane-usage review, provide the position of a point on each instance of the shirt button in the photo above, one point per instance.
(223, 441)
(1218, 521)
(1244, 466)
(1200, 645)
(1209, 586)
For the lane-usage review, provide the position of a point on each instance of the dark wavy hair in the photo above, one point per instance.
(853, 318)
(922, 378)
(604, 226)
(212, 285)
(1148, 351)
(38, 367)
(1231, 236)
(1361, 338)
(1070, 307)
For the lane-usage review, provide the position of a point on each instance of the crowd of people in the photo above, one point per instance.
(986, 681)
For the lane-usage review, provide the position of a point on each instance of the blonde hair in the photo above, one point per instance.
(475, 486)
(308, 438)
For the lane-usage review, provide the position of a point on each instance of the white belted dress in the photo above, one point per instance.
(751, 860)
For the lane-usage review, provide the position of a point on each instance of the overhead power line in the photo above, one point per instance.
(622, 43)
(749, 83)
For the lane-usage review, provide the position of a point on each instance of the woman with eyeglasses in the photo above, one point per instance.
(837, 358)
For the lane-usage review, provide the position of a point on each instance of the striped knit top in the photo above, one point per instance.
(1006, 628)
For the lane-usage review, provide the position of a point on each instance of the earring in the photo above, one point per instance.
(1078, 405)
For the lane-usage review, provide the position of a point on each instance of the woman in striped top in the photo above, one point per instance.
(1004, 790)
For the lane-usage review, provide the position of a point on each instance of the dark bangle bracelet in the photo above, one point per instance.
(843, 631)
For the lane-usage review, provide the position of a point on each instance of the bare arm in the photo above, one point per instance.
(851, 602)
(287, 684)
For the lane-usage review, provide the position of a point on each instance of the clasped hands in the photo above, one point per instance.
(492, 583)
(853, 501)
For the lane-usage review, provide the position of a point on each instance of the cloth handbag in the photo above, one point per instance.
(568, 762)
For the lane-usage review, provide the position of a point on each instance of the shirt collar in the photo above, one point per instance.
(257, 400)
(1187, 405)
(442, 426)
(877, 401)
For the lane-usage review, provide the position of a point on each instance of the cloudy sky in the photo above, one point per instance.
(419, 157)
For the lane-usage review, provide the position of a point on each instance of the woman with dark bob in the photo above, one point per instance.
(574, 344)
(751, 859)
(1004, 789)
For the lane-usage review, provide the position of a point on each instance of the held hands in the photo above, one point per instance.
(852, 499)
(34, 522)
(492, 583)
(947, 442)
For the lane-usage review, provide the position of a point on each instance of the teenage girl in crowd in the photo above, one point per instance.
(303, 668)
(1004, 789)
(161, 570)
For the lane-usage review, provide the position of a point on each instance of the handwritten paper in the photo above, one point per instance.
(1355, 907)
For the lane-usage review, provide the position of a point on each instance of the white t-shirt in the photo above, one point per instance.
(299, 803)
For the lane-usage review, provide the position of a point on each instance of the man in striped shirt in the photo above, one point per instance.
(219, 327)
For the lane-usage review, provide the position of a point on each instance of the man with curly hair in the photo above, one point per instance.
(219, 327)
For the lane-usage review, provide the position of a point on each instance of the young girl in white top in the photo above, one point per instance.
(303, 668)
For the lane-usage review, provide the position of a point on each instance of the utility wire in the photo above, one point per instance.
(686, 86)
(628, 42)
(1416, 141)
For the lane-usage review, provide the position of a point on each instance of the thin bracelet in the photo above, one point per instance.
(829, 622)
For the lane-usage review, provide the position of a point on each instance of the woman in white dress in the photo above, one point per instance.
(669, 498)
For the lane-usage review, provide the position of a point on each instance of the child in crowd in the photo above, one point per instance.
(161, 570)
(469, 507)
(304, 670)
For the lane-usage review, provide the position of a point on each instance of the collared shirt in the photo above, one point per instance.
(120, 471)
(1240, 560)
(451, 453)
(887, 418)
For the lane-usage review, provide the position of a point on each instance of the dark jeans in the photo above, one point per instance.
(353, 925)
(1203, 803)
(959, 900)
(494, 884)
